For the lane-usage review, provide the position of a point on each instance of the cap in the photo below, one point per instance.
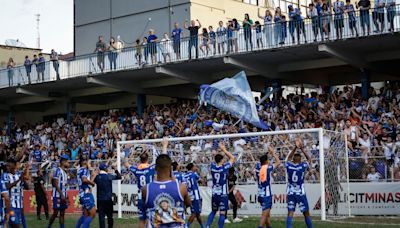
(103, 166)
(289, 6)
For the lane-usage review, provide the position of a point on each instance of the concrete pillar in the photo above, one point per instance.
(71, 109)
(365, 83)
(141, 104)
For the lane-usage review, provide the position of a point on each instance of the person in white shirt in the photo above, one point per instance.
(389, 149)
(365, 143)
(373, 176)
(166, 47)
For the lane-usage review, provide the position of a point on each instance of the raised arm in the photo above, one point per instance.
(227, 153)
(199, 23)
(164, 144)
(258, 14)
(304, 152)
(272, 151)
(291, 154)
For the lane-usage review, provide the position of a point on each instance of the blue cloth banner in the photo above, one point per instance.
(234, 96)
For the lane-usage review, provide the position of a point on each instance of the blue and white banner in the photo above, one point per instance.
(234, 96)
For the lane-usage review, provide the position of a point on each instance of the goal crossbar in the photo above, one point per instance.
(319, 131)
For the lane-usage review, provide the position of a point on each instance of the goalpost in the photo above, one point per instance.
(327, 181)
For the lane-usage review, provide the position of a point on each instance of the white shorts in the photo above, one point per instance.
(221, 39)
(234, 34)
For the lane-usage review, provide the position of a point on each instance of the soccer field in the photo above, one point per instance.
(356, 222)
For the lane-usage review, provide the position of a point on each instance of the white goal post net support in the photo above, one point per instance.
(326, 182)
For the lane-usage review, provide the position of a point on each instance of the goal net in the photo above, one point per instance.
(326, 181)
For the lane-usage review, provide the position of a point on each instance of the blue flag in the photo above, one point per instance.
(233, 95)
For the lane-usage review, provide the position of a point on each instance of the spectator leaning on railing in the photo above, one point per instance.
(176, 37)
(100, 49)
(28, 68)
(10, 71)
(41, 65)
(113, 47)
(364, 6)
(193, 36)
(338, 8)
(152, 40)
(247, 27)
(56, 64)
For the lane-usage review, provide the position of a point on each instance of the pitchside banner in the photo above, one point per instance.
(30, 202)
(365, 199)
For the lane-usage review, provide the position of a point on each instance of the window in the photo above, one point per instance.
(253, 2)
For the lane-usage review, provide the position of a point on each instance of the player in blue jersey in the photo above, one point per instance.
(86, 198)
(144, 173)
(14, 183)
(219, 173)
(60, 197)
(263, 174)
(4, 201)
(192, 182)
(165, 199)
(296, 170)
(176, 170)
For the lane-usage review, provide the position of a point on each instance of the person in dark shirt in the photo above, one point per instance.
(28, 68)
(152, 46)
(100, 49)
(104, 195)
(364, 6)
(231, 187)
(40, 193)
(193, 39)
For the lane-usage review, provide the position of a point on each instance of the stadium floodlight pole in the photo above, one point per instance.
(322, 172)
(119, 197)
(347, 173)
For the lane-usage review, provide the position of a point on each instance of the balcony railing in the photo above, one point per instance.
(275, 35)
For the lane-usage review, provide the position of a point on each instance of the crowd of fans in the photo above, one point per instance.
(324, 20)
(370, 125)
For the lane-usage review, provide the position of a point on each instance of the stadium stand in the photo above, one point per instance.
(371, 125)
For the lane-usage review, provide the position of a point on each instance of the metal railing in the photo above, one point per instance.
(279, 34)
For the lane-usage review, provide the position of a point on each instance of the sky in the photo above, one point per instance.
(56, 23)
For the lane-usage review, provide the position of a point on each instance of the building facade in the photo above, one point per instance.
(131, 20)
(17, 53)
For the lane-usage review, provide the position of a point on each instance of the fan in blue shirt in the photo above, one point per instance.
(219, 173)
(296, 170)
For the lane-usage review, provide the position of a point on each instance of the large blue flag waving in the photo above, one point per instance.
(233, 95)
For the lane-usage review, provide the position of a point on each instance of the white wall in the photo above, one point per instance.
(129, 20)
